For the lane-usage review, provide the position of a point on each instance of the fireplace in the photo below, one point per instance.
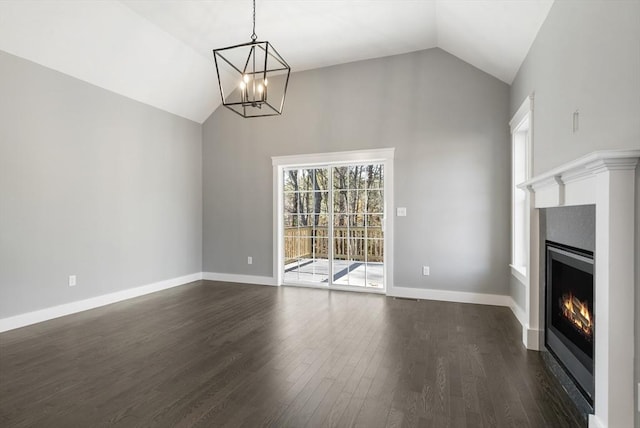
(606, 179)
(569, 310)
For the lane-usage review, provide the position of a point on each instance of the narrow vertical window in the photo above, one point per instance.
(520, 172)
(519, 200)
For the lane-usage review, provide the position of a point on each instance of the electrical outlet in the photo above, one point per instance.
(249, 260)
(425, 270)
(72, 280)
(401, 212)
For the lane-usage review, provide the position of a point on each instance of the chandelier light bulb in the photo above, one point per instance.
(243, 92)
(261, 92)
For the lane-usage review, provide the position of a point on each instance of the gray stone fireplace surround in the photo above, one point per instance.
(574, 226)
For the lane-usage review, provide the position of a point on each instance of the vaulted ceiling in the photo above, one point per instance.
(159, 52)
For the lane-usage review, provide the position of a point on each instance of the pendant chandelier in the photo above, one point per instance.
(252, 77)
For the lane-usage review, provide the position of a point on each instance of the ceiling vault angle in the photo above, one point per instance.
(159, 52)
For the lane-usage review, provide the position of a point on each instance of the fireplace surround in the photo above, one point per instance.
(607, 180)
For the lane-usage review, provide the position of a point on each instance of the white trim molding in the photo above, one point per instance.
(574, 182)
(523, 250)
(605, 179)
(594, 422)
(523, 113)
(450, 296)
(532, 338)
(371, 155)
(53, 312)
(242, 279)
(519, 272)
(518, 312)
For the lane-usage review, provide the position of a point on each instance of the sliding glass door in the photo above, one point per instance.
(333, 225)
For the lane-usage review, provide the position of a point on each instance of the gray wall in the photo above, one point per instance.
(587, 57)
(448, 123)
(92, 184)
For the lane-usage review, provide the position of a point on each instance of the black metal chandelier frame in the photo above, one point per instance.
(251, 104)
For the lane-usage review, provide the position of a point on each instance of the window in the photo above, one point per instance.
(520, 172)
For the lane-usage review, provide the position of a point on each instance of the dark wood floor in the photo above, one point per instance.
(217, 354)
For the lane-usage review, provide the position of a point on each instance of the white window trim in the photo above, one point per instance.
(519, 272)
(522, 117)
(384, 156)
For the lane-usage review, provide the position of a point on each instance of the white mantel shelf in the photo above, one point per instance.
(605, 179)
(573, 183)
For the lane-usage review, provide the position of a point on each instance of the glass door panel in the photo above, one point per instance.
(334, 225)
(358, 214)
(306, 220)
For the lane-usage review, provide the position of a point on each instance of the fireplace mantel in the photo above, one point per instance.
(605, 179)
(573, 183)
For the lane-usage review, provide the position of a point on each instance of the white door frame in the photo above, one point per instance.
(382, 156)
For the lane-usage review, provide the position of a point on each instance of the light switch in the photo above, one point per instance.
(401, 212)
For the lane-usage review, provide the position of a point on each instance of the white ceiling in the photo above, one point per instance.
(159, 52)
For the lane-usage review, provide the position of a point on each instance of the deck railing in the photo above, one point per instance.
(348, 243)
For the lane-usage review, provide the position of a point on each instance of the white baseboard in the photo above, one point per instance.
(244, 279)
(532, 339)
(46, 314)
(594, 422)
(519, 313)
(450, 296)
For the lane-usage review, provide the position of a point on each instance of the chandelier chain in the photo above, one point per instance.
(253, 35)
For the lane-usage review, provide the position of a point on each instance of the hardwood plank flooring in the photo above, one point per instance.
(218, 354)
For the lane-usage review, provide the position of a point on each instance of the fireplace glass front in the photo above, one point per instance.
(570, 321)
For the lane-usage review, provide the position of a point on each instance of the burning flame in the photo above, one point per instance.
(578, 313)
